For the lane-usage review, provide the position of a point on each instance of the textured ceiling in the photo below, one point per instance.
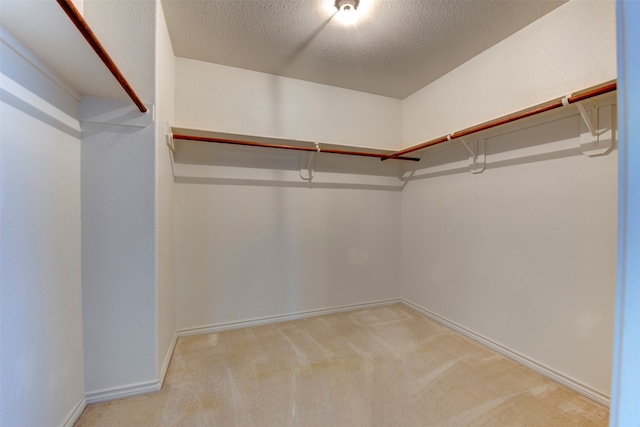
(395, 47)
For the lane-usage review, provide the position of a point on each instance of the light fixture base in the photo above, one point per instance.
(347, 5)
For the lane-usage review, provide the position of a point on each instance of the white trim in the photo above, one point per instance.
(219, 327)
(167, 359)
(75, 413)
(14, 44)
(556, 376)
(122, 392)
(134, 389)
(152, 386)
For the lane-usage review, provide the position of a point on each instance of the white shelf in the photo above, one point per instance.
(45, 30)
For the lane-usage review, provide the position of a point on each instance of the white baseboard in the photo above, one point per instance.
(514, 355)
(210, 329)
(134, 389)
(75, 413)
(167, 359)
(122, 392)
(152, 386)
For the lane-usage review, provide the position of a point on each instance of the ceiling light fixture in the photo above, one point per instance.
(347, 5)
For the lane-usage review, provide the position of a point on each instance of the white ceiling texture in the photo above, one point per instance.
(392, 47)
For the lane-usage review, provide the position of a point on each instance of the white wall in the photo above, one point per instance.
(232, 100)
(252, 239)
(245, 252)
(118, 216)
(41, 366)
(523, 254)
(165, 271)
(249, 248)
(570, 49)
(118, 257)
(127, 199)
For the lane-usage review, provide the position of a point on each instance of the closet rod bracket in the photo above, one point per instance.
(476, 154)
(586, 118)
(169, 136)
(596, 128)
(477, 161)
(311, 162)
(473, 154)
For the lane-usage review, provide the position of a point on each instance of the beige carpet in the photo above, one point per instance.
(385, 366)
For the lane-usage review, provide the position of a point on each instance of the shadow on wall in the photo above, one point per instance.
(30, 91)
(43, 112)
(286, 184)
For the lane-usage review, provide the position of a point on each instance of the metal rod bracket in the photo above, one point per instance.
(476, 155)
(477, 160)
(473, 154)
(311, 162)
(586, 118)
(596, 128)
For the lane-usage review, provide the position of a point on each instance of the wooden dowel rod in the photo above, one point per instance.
(552, 105)
(287, 147)
(93, 41)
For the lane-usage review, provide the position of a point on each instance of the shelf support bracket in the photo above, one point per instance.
(171, 143)
(477, 156)
(596, 128)
(474, 155)
(310, 164)
(586, 118)
(169, 135)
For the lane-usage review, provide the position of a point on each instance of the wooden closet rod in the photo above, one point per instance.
(289, 147)
(552, 105)
(93, 41)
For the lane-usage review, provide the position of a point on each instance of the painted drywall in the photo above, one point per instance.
(118, 216)
(165, 271)
(251, 249)
(41, 363)
(226, 99)
(118, 257)
(523, 254)
(570, 49)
